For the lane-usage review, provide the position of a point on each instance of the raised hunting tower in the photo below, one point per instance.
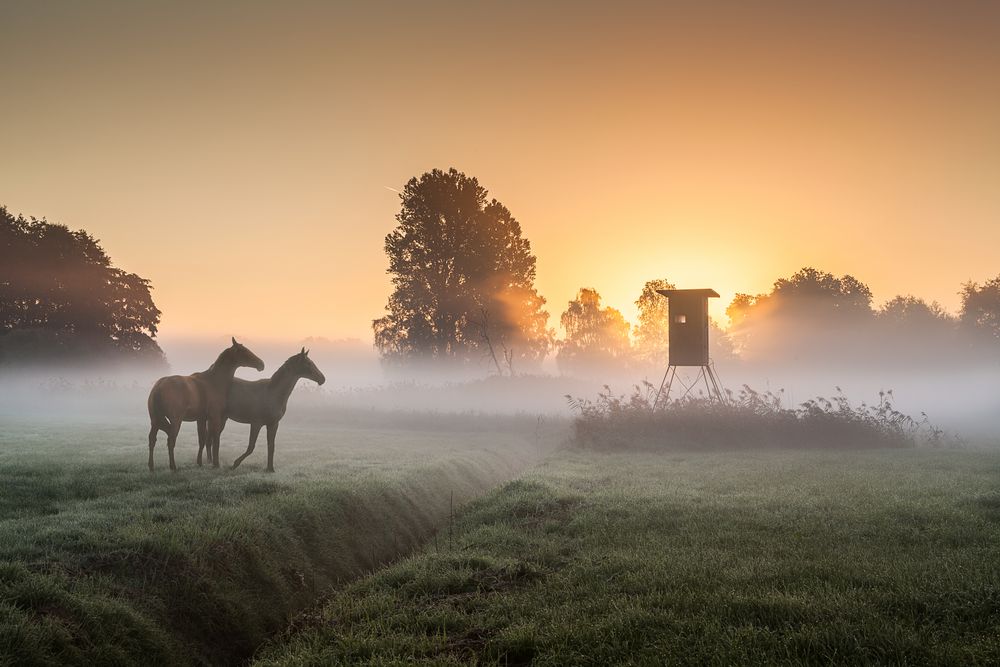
(687, 313)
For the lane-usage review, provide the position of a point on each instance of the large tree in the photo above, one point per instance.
(463, 279)
(60, 297)
(597, 338)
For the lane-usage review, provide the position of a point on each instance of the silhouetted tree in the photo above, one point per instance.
(912, 331)
(61, 298)
(463, 278)
(910, 312)
(652, 330)
(980, 313)
(816, 290)
(811, 314)
(741, 308)
(597, 339)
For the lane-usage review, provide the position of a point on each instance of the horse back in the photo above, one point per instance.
(178, 397)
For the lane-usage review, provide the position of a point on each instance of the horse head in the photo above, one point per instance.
(241, 355)
(304, 367)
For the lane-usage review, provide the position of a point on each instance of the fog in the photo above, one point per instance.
(960, 396)
(965, 401)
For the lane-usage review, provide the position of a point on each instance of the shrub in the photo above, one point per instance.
(745, 420)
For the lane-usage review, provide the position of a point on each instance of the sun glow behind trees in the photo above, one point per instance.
(464, 293)
(779, 136)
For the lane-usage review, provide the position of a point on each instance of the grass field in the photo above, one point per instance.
(102, 562)
(348, 554)
(887, 557)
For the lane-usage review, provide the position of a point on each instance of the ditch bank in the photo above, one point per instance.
(211, 588)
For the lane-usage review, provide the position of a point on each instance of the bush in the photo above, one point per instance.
(746, 420)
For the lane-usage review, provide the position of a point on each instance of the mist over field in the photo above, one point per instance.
(960, 397)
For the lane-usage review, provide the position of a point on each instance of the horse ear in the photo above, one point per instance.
(234, 341)
(307, 353)
(303, 351)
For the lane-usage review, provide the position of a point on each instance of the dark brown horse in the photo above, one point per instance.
(263, 402)
(200, 397)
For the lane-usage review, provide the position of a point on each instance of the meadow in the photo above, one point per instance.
(102, 562)
(403, 536)
(780, 557)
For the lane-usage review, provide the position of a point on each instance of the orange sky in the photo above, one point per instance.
(240, 157)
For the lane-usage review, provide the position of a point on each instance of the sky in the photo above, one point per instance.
(244, 156)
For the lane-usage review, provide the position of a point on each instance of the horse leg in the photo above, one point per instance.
(254, 431)
(216, 461)
(175, 427)
(202, 432)
(272, 430)
(214, 432)
(152, 443)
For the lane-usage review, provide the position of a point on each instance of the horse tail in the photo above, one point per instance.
(154, 404)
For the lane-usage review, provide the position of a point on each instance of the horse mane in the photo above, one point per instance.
(283, 368)
(218, 360)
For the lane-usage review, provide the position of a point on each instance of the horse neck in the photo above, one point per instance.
(223, 369)
(283, 382)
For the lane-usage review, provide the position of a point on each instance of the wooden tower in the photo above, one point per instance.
(687, 312)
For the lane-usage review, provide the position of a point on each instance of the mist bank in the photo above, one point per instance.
(961, 394)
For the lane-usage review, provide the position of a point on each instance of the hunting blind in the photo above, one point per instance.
(687, 338)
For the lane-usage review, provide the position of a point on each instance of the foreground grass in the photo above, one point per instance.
(777, 557)
(103, 563)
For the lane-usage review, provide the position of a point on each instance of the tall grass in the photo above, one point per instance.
(748, 419)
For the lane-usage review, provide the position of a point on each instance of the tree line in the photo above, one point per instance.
(61, 298)
(463, 292)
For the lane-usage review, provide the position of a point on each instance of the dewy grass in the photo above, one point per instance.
(864, 557)
(103, 563)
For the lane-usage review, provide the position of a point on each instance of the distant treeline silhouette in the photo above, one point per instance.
(61, 299)
(464, 294)
(463, 277)
(809, 319)
(815, 317)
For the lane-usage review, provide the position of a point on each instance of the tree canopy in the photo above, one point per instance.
(463, 279)
(597, 339)
(651, 331)
(810, 314)
(915, 313)
(61, 297)
(981, 309)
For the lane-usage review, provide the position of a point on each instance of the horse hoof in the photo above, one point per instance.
(268, 469)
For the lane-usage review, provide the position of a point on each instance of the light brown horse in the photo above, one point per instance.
(200, 397)
(263, 402)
